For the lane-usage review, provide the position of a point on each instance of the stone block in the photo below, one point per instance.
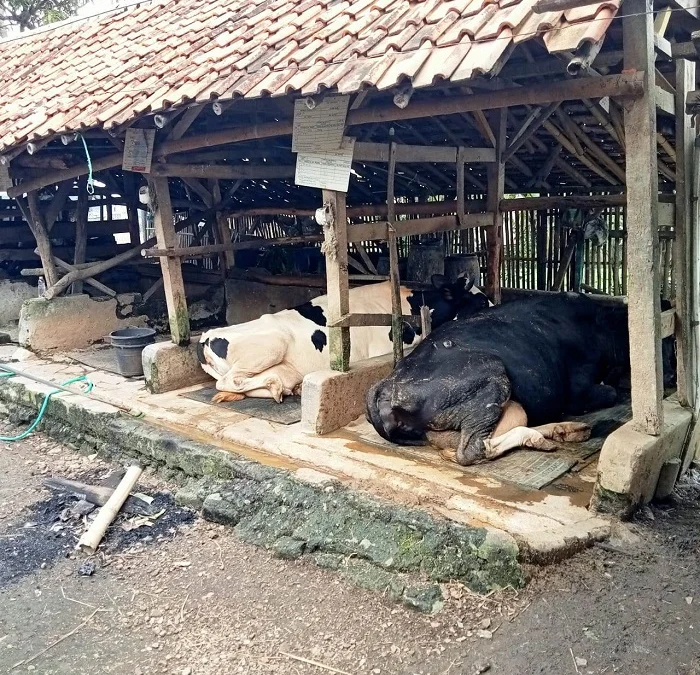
(630, 461)
(168, 366)
(12, 296)
(75, 321)
(330, 399)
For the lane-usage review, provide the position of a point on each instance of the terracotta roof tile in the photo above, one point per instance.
(106, 70)
(569, 37)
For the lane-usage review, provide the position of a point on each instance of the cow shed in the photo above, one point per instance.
(147, 161)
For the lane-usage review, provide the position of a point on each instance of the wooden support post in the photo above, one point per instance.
(642, 222)
(132, 200)
(682, 266)
(222, 228)
(37, 223)
(541, 250)
(173, 283)
(81, 223)
(396, 312)
(335, 247)
(426, 321)
(494, 235)
(459, 185)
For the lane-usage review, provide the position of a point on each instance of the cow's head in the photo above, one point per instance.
(439, 387)
(447, 300)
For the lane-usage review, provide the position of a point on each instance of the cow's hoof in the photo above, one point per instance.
(448, 454)
(566, 432)
(224, 396)
(571, 432)
(297, 390)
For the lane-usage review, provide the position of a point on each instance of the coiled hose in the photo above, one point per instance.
(44, 405)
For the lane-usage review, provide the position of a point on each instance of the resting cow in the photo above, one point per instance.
(474, 385)
(268, 357)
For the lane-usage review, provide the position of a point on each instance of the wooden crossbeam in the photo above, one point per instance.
(362, 320)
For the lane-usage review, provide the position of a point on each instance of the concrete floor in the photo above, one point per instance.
(547, 523)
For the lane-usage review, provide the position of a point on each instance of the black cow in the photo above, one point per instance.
(485, 378)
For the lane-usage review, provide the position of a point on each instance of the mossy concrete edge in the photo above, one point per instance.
(369, 539)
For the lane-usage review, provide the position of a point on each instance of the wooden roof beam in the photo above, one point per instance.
(628, 84)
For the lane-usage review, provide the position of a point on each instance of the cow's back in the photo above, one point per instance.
(540, 342)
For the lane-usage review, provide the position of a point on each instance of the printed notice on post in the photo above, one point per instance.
(138, 150)
(326, 170)
(321, 128)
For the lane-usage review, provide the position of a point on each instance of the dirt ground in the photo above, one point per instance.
(186, 597)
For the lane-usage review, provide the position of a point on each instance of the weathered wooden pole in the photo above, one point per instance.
(81, 223)
(223, 230)
(173, 284)
(37, 223)
(394, 277)
(335, 248)
(684, 225)
(642, 222)
(496, 173)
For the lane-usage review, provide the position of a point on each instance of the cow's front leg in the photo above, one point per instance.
(519, 437)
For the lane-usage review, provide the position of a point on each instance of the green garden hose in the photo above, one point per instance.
(44, 404)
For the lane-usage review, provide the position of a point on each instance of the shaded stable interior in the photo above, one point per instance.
(487, 167)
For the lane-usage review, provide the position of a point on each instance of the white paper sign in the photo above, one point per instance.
(5, 180)
(138, 150)
(326, 170)
(320, 129)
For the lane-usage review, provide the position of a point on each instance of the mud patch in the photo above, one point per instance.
(38, 537)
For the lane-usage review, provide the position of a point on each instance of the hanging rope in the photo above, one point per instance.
(90, 181)
(44, 405)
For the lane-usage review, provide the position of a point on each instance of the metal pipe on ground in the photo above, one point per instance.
(20, 373)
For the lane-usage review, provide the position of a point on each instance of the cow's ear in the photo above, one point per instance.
(466, 281)
(440, 281)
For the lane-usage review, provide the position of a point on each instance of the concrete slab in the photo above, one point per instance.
(74, 321)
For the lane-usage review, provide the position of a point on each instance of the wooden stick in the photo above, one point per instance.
(92, 282)
(92, 538)
(310, 662)
(96, 494)
(56, 642)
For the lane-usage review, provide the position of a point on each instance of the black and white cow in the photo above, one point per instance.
(268, 357)
(473, 386)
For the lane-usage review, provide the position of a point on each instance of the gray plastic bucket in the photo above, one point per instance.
(128, 343)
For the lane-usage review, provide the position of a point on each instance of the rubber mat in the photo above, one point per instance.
(287, 412)
(526, 468)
